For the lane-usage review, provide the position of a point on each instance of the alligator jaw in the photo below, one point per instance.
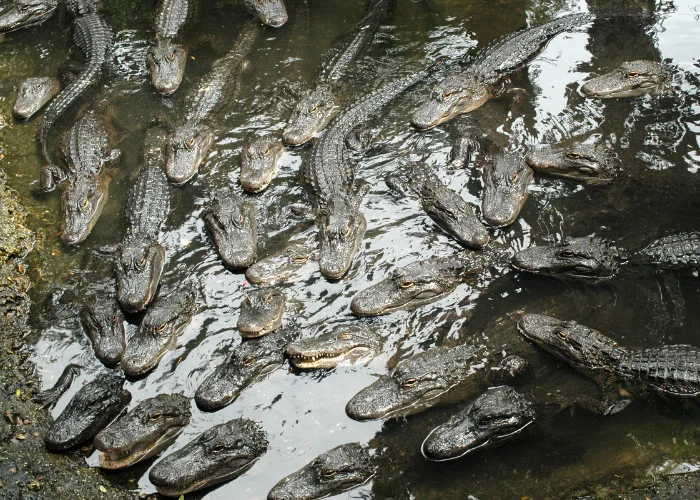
(339, 243)
(450, 99)
(139, 269)
(325, 360)
(187, 150)
(166, 62)
(631, 79)
(120, 459)
(33, 94)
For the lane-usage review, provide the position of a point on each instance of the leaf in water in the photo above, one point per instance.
(103, 489)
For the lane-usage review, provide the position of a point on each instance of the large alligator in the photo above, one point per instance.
(506, 181)
(49, 397)
(23, 13)
(671, 372)
(353, 342)
(92, 408)
(269, 12)
(259, 162)
(219, 454)
(631, 79)
(33, 94)
(486, 77)
(283, 264)
(340, 469)
(317, 107)
(140, 257)
(149, 428)
(261, 312)
(580, 161)
(232, 223)
(334, 192)
(193, 137)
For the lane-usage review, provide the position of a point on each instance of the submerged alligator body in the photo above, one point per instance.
(631, 79)
(261, 312)
(354, 343)
(579, 161)
(49, 397)
(269, 12)
(33, 94)
(259, 162)
(24, 13)
(506, 181)
(232, 223)
(282, 265)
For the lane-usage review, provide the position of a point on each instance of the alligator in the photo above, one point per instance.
(354, 343)
(140, 257)
(442, 375)
(671, 372)
(244, 365)
(497, 416)
(33, 94)
(261, 312)
(318, 106)
(232, 223)
(48, 398)
(219, 454)
(447, 208)
(269, 12)
(583, 162)
(166, 58)
(103, 322)
(506, 181)
(340, 469)
(159, 330)
(282, 265)
(92, 408)
(487, 76)
(335, 194)
(594, 259)
(191, 140)
(23, 13)
(631, 79)
(259, 162)
(149, 428)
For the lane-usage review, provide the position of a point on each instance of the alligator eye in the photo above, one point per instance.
(562, 335)
(515, 176)
(567, 253)
(410, 382)
(161, 328)
(143, 260)
(266, 152)
(633, 74)
(172, 56)
(447, 95)
(218, 448)
(240, 219)
(407, 284)
(268, 299)
(114, 318)
(574, 155)
(329, 473)
(345, 336)
(347, 230)
(314, 109)
(156, 416)
(85, 204)
(38, 86)
(248, 361)
(300, 259)
(247, 298)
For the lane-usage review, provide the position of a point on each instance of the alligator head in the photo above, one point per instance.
(139, 266)
(259, 162)
(261, 312)
(148, 429)
(342, 343)
(233, 226)
(455, 95)
(82, 203)
(506, 183)
(494, 417)
(93, 407)
(629, 80)
(187, 149)
(281, 265)
(219, 454)
(312, 113)
(587, 163)
(269, 12)
(33, 94)
(166, 62)
(341, 229)
(340, 469)
(589, 259)
(103, 322)
(82, 7)
(21, 13)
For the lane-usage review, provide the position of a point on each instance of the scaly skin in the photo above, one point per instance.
(631, 79)
(33, 94)
(261, 312)
(103, 322)
(233, 226)
(166, 58)
(23, 13)
(506, 182)
(353, 343)
(259, 162)
(586, 163)
(48, 398)
(270, 12)
(282, 265)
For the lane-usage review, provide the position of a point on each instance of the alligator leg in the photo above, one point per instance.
(463, 150)
(49, 397)
(609, 404)
(50, 177)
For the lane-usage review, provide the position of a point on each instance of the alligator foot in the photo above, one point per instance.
(600, 407)
(50, 177)
(462, 152)
(518, 99)
(49, 398)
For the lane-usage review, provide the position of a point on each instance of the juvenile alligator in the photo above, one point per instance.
(33, 94)
(269, 12)
(140, 257)
(671, 371)
(232, 223)
(219, 454)
(282, 265)
(261, 312)
(340, 469)
(259, 162)
(587, 163)
(159, 330)
(631, 79)
(330, 178)
(506, 182)
(23, 13)
(191, 140)
(149, 428)
(486, 78)
(49, 397)
(353, 342)
(318, 106)
(93, 407)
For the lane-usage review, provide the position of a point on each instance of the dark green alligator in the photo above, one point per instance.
(92, 408)
(33, 94)
(631, 79)
(506, 181)
(318, 106)
(148, 429)
(486, 78)
(219, 454)
(340, 469)
(23, 13)
(49, 397)
(261, 312)
(282, 265)
(159, 330)
(193, 137)
(232, 223)
(269, 12)
(442, 375)
(671, 372)
(497, 416)
(329, 175)
(353, 342)
(583, 162)
(259, 162)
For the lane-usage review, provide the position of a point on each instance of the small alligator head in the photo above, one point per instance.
(148, 429)
(506, 183)
(455, 95)
(259, 162)
(219, 454)
(234, 228)
(631, 79)
(139, 266)
(312, 113)
(166, 61)
(261, 312)
(494, 417)
(412, 286)
(82, 7)
(21, 13)
(103, 322)
(282, 265)
(328, 350)
(269, 12)
(589, 259)
(33, 94)
(82, 203)
(187, 149)
(340, 469)
(587, 163)
(341, 229)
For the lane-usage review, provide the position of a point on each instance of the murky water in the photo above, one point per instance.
(303, 413)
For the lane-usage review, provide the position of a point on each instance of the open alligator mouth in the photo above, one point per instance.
(118, 459)
(324, 359)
